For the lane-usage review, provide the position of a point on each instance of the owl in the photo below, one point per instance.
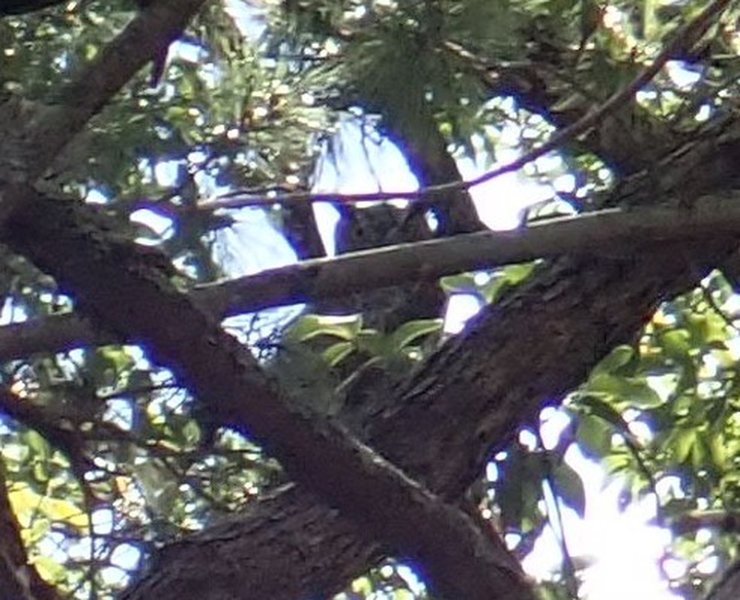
(375, 226)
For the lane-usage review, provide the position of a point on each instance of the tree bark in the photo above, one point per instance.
(65, 240)
(441, 427)
(19, 7)
(728, 588)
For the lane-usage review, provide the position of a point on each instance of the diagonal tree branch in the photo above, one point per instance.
(307, 446)
(668, 265)
(19, 7)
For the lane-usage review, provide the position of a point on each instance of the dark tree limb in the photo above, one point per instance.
(33, 136)
(721, 520)
(20, 7)
(637, 283)
(728, 587)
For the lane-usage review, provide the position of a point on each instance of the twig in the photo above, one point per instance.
(707, 294)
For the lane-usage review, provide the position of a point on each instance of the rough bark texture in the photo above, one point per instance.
(728, 588)
(316, 280)
(442, 423)
(440, 428)
(19, 7)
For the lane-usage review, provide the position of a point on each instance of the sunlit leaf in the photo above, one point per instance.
(27, 504)
(336, 353)
(308, 327)
(50, 569)
(413, 330)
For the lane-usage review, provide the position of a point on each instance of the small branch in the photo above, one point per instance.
(20, 7)
(607, 233)
(689, 32)
(727, 522)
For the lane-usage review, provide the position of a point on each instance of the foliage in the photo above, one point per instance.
(235, 112)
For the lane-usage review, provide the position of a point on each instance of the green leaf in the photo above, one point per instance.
(336, 353)
(191, 432)
(594, 435)
(460, 284)
(374, 343)
(37, 443)
(308, 327)
(717, 445)
(676, 345)
(633, 391)
(569, 488)
(649, 22)
(413, 330)
(681, 443)
(504, 279)
(614, 361)
(51, 570)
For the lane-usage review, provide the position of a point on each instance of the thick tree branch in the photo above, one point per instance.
(721, 520)
(591, 342)
(19, 7)
(728, 588)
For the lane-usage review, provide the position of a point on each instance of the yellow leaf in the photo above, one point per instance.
(28, 504)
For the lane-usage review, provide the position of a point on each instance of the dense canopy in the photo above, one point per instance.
(241, 242)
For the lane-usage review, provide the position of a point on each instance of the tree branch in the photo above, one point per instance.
(467, 401)
(19, 7)
(608, 233)
(691, 31)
